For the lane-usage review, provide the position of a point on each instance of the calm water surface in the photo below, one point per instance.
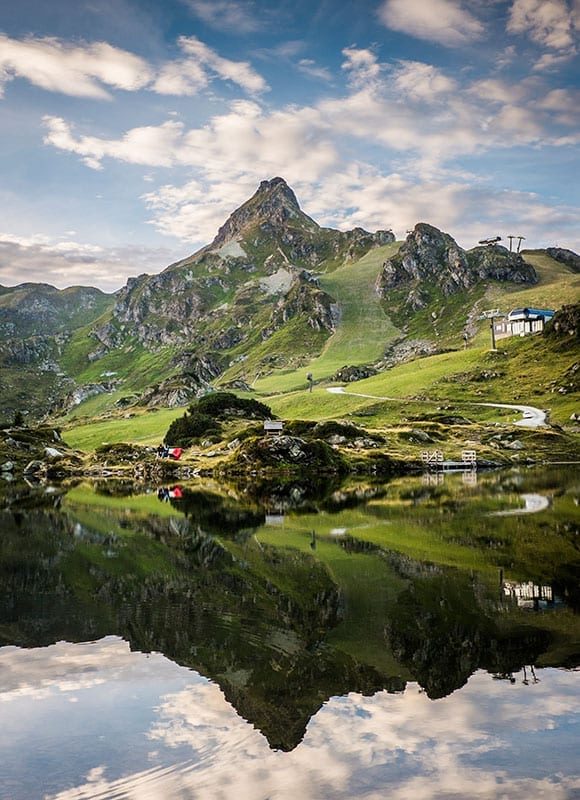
(413, 639)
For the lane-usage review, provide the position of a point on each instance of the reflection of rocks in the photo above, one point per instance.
(443, 635)
(196, 585)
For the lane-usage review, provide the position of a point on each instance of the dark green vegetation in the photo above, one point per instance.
(287, 593)
(202, 419)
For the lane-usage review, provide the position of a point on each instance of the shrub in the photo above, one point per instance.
(221, 405)
(183, 430)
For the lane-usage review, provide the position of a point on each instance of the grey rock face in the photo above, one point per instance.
(564, 256)
(430, 256)
(306, 298)
(348, 374)
(181, 389)
(38, 309)
(497, 263)
(82, 393)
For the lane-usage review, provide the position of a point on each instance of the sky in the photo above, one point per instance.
(131, 129)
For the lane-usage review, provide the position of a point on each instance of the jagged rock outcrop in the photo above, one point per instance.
(286, 452)
(306, 297)
(274, 204)
(157, 310)
(349, 374)
(430, 257)
(87, 390)
(564, 256)
(498, 264)
(40, 351)
(565, 325)
(181, 389)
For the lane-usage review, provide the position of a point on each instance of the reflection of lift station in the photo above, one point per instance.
(493, 240)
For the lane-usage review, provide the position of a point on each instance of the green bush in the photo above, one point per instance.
(202, 419)
(184, 430)
(221, 405)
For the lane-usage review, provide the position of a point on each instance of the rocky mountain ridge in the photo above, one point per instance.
(430, 257)
(39, 309)
(255, 296)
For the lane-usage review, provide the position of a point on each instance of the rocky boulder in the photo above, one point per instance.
(498, 264)
(431, 255)
(82, 393)
(286, 453)
(349, 374)
(564, 256)
(305, 298)
(565, 325)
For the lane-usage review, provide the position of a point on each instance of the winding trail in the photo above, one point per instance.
(531, 417)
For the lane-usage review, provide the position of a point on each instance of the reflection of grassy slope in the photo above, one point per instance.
(446, 527)
(140, 504)
(363, 331)
(369, 585)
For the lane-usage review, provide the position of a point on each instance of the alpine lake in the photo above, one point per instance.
(411, 639)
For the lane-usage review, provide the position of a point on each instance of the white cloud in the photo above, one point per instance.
(295, 141)
(446, 22)
(78, 70)
(362, 65)
(563, 104)
(151, 145)
(62, 263)
(189, 75)
(309, 67)
(549, 23)
(229, 15)
(360, 195)
(495, 90)
(194, 211)
(39, 673)
(418, 81)
(416, 118)
(88, 70)
(549, 62)
(181, 77)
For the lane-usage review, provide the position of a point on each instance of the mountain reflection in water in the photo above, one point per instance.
(284, 658)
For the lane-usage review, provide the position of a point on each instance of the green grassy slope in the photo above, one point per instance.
(557, 284)
(525, 369)
(363, 332)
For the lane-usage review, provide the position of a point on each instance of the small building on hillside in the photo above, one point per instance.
(521, 322)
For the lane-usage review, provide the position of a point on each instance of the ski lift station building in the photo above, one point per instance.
(522, 321)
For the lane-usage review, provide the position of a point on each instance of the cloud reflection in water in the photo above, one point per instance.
(483, 741)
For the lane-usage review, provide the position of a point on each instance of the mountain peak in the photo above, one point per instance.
(273, 203)
(279, 189)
